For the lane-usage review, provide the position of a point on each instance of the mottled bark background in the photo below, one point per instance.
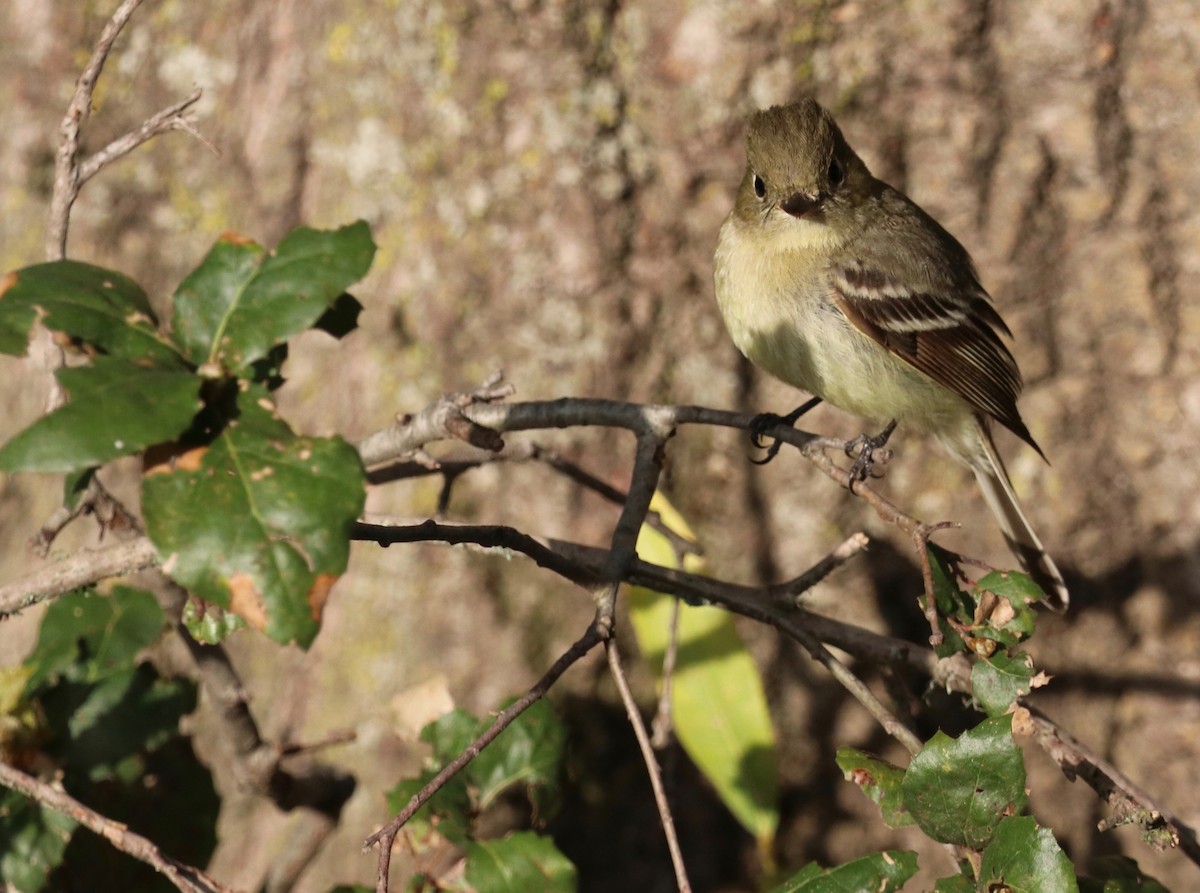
(545, 181)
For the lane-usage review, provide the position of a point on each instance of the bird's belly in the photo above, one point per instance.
(807, 342)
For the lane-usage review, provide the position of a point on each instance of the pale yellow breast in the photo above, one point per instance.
(774, 292)
(760, 287)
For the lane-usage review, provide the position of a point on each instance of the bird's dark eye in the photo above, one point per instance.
(760, 188)
(837, 173)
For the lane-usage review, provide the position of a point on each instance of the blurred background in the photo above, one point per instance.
(545, 181)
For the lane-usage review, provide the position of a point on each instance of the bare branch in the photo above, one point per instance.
(66, 171)
(443, 419)
(421, 464)
(581, 563)
(1131, 804)
(586, 565)
(256, 763)
(652, 768)
(545, 553)
(857, 689)
(647, 467)
(81, 569)
(162, 122)
(184, 877)
(96, 500)
(386, 835)
(413, 432)
(664, 718)
(789, 592)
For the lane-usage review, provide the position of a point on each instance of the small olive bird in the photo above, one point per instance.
(841, 286)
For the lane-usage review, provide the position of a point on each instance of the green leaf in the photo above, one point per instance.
(719, 707)
(1118, 874)
(33, 839)
(450, 734)
(210, 624)
(167, 796)
(240, 302)
(103, 728)
(1021, 592)
(954, 884)
(999, 680)
(86, 636)
(94, 305)
(259, 521)
(951, 601)
(519, 863)
(75, 484)
(1024, 858)
(14, 681)
(958, 790)
(211, 292)
(448, 812)
(1012, 618)
(880, 781)
(879, 873)
(268, 370)
(529, 752)
(117, 408)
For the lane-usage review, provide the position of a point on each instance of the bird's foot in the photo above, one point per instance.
(765, 421)
(863, 448)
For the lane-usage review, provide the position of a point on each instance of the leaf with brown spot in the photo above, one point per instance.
(167, 457)
(243, 301)
(319, 594)
(89, 304)
(116, 407)
(261, 516)
(246, 601)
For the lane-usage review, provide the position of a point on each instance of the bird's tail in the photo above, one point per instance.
(1024, 543)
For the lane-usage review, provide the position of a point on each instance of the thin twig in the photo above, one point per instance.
(83, 568)
(1128, 800)
(66, 171)
(652, 768)
(857, 689)
(256, 762)
(184, 877)
(920, 538)
(664, 719)
(790, 592)
(577, 473)
(489, 536)
(421, 464)
(69, 173)
(96, 500)
(647, 466)
(161, 122)
(333, 739)
(386, 835)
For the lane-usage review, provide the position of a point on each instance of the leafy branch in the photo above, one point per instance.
(249, 523)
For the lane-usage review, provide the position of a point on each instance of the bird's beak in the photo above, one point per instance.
(800, 204)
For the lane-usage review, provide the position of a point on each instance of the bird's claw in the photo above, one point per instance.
(764, 421)
(759, 425)
(863, 448)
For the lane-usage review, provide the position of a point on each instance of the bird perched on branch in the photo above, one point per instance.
(842, 286)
